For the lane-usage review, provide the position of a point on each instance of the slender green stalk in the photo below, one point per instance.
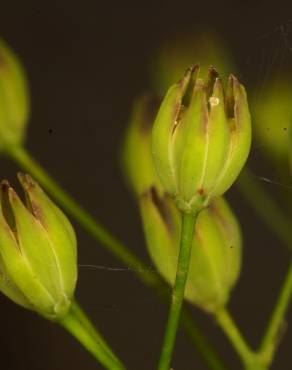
(83, 318)
(271, 338)
(187, 234)
(281, 225)
(118, 249)
(74, 323)
(229, 327)
(264, 205)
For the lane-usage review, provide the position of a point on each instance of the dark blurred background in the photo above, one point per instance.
(86, 62)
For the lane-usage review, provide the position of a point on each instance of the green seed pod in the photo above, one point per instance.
(14, 99)
(201, 138)
(216, 253)
(38, 257)
(137, 161)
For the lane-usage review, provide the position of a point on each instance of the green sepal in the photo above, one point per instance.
(218, 138)
(18, 270)
(164, 125)
(35, 246)
(240, 136)
(205, 284)
(10, 290)
(216, 256)
(191, 133)
(60, 233)
(232, 238)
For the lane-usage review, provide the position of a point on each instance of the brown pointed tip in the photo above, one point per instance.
(233, 77)
(21, 178)
(230, 79)
(233, 81)
(24, 177)
(194, 68)
(229, 98)
(212, 72)
(4, 185)
(189, 74)
(237, 89)
(26, 181)
(186, 85)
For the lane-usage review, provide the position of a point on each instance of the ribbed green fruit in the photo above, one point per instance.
(38, 257)
(201, 138)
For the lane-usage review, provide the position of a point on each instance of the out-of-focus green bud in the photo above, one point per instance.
(38, 257)
(216, 253)
(201, 138)
(137, 161)
(14, 99)
(179, 53)
(290, 147)
(272, 115)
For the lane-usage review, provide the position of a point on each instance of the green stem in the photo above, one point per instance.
(114, 246)
(268, 210)
(271, 338)
(247, 356)
(78, 325)
(83, 318)
(187, 234)
(277, 221)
